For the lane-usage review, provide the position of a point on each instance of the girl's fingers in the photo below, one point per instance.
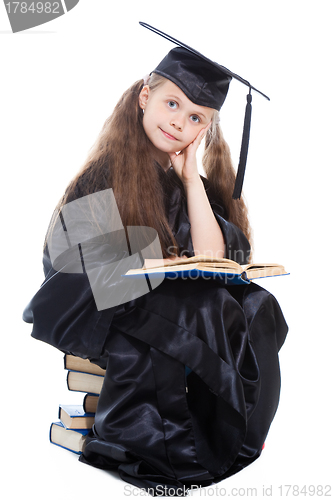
(187, 156)
(205, 130)
(202, 133)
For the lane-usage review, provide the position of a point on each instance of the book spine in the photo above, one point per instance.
(50, 433)
(94, 398)
(84, 402)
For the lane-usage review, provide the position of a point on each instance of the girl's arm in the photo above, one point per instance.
(206, 234)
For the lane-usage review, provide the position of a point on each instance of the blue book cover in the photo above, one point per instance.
(69, 439)
(193, 274)
(74, 417)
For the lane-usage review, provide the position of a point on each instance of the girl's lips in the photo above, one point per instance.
(168, 136)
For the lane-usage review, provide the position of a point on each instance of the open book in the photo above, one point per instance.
(201, 265)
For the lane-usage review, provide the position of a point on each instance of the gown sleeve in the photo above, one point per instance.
(64, 313)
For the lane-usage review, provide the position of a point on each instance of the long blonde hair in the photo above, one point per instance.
(121, 158)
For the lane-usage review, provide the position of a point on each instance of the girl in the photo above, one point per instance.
(192, 374)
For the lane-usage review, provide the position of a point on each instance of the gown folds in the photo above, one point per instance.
(192, 376)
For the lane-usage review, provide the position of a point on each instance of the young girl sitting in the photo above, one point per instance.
(192, 373)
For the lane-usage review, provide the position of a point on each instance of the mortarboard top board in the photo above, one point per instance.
(205, 83)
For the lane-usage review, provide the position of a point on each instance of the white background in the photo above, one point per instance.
(59, 83)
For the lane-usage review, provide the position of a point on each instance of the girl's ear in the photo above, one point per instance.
(143, 96)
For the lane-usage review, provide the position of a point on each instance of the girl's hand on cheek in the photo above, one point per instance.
(185, 162)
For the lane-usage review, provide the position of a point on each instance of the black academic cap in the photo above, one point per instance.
(205, 83)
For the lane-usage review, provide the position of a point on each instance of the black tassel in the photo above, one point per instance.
(244, 149)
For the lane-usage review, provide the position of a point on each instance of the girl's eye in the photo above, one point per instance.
(195, 118)
(172, 104)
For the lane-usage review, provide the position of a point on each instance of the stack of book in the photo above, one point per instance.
(75, 421)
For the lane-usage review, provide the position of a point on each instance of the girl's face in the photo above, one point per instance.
(171, 121)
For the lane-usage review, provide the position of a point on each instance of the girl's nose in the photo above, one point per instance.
(177, 123)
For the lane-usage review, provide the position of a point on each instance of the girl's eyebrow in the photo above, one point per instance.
(171, 96)
(177, 98)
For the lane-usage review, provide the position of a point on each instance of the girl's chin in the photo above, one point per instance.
(166, 150)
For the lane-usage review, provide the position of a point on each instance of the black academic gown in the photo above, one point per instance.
(192, 373)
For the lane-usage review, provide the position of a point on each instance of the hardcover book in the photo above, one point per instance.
(77, 364)
(90, 403)
(84, 382)
(201, 265)
(69, 439)
(74, 417)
